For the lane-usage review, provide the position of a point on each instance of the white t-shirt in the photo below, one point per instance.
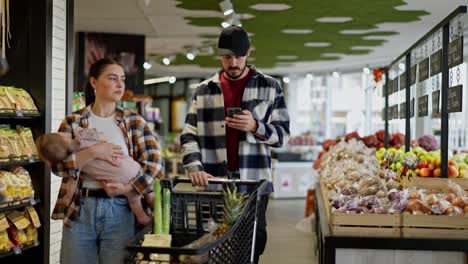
(112, 133)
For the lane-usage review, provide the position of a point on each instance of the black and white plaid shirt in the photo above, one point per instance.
(204, 136)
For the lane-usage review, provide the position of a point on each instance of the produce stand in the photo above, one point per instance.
(328, 243)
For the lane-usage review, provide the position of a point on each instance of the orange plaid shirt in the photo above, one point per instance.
(142, 147)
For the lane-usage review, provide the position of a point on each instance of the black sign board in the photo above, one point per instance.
(395, 85)
(402, 110)
(412, 108)
(389, 87)
(455, 52)
(395, 111)
(423, 106)
(424, 70)
(455, 99)
(436, 103)
(436, 63)
(402, 81)
(413, 75)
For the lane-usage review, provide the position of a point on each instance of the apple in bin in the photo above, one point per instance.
(452, 171)
(437, 172)
(425, 172)
(423, 164)
(452, 163)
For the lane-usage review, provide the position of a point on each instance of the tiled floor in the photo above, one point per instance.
(285, 243)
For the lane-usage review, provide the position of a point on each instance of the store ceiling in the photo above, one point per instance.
(287, 36)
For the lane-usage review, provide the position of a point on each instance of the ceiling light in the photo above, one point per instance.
(172, 79)
(147, 65)
(309, 76)
(366, 70)
(190, 56)
(167, 60)
(334, 19)
(156, 80)
(226, 7)
(270, 7)
(402, 66)
(225, 24)
(317, 44)
(336, 74)
(286, 79)
(297, 31)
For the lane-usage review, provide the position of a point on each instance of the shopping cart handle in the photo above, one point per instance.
(220, 180)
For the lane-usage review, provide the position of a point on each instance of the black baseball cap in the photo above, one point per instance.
(233, 41)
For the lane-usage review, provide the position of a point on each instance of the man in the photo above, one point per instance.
(214, 145)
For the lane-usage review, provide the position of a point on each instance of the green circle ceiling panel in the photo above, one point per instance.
(272, 44)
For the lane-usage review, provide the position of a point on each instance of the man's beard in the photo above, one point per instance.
(235, 77)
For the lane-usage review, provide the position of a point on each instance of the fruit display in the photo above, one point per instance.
(16, 145)
(429, 162)
(428, 142)
(306, 139)
(356, 181)
(15, 186)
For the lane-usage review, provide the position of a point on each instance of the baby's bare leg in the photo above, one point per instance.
(137, 209)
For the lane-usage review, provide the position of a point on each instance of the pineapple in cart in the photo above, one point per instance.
(234, 203)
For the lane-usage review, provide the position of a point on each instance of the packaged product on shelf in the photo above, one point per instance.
(6, 106)
(31, 214)
(27, 140)
(26, 100)
(5, 147)
(24, 183)
(9, 192)
(15, 143)
(5, 244)
(17, 236)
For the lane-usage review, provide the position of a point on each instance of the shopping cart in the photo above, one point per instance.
(192, 209)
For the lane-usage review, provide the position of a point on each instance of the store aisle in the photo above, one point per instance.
(285, 243)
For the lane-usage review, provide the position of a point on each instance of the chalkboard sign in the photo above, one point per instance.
(436, 103)
(412, 108)
(423, 105)
(455, 99)
(455, 52)
(402, 81)
(436, 63)
(424, 70)
(402, 110)
(413, 75)
(389, 87)
(395, 111)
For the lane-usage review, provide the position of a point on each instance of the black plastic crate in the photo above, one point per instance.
(190, 213)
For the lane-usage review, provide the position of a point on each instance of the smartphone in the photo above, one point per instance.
(231, 111)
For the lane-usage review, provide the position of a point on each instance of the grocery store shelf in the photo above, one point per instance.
(17, 163)
(20, 115)
(18, 205)
(13, 252)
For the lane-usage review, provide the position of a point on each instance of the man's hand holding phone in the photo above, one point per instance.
(241, 120)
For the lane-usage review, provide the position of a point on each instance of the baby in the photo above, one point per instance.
(55, 147)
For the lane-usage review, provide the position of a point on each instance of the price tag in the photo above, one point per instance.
(17, 250)
(424, 70)
(436, 103)
(403, 81)
(455, 52)
(19, 113)
(413, 75)
(402, 110)
(436, 63)
(32, 201)
(455, 99)
(423, 105)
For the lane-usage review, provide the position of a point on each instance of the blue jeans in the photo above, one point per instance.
(100, 233)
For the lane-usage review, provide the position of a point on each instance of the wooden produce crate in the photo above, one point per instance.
(361, 225)
(434, 226)
(429, 183)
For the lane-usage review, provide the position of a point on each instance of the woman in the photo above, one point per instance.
(97, 218)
